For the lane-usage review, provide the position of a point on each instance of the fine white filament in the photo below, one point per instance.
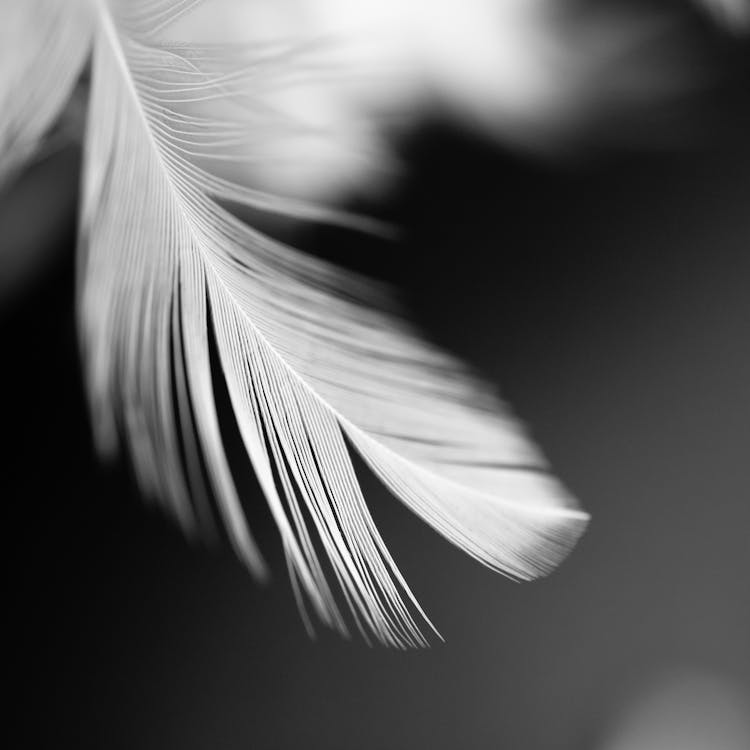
(315, 360)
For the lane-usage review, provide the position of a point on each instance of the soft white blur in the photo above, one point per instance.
(685, 712)
(733, 14)
(531, 72)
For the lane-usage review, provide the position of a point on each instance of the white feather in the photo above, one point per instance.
(314, 358)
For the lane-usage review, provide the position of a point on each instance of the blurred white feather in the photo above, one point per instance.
(43, 46)
(282, 106)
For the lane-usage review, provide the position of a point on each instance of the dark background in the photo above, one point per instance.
(609, 300)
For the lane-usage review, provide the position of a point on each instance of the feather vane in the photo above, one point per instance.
(316, 360)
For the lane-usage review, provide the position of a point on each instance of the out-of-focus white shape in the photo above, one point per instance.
(733, 14)
(521, 70)
(43, 46)
(685, 712)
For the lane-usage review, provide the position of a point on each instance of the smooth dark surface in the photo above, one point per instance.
(610, 303)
